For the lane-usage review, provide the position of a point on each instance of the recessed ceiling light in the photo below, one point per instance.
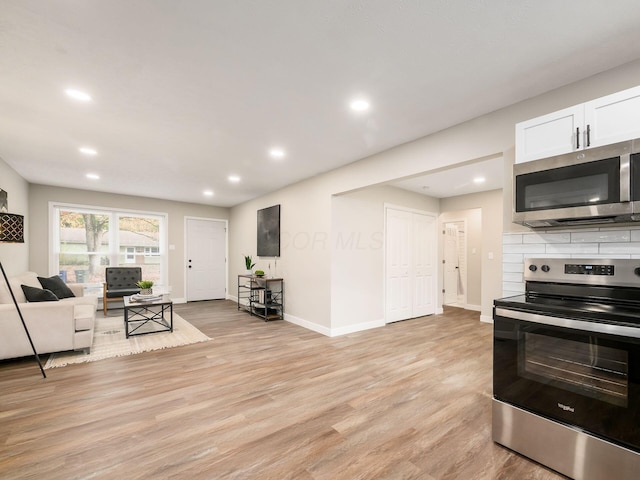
(208, 193)
(479, 180)
(359, 105)
(93, 176)
(276, 153)
(88, 151)
(234, 178)
(78, 95)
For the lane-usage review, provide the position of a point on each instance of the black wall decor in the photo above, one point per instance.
(269, 232)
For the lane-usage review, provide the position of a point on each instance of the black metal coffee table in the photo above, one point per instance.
(143, 316)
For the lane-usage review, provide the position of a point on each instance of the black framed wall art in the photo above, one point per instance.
(269, 232)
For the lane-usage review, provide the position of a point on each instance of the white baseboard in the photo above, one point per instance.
(486, 318)
(358, 327)
(333, 332)
(308, 325)
(179, 300)
(439, 310)
(475, 308)
(233, 298)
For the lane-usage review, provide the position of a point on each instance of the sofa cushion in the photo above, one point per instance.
(57, 286)
(38, 294)
(27, 278)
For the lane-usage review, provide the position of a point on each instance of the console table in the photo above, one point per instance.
(261, 296)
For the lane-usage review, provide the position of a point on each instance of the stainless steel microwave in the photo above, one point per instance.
(588, 187)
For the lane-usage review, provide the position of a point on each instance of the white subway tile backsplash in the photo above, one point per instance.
(573, 248)
(601, 255)
(512, 267)
(512, 277)
(513, 238)
(603, 242)
(546, 238)
(621, 248)
(512, 258)
(601, 237)
(525, 248)
(517, 287)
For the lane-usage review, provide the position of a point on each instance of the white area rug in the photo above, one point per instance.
(109, 341)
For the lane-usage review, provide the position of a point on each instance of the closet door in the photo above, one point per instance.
(410, 264)
(424, 265)
(398, 259)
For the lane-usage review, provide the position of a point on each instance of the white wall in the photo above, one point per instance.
(41, 195)
(307, 270)
(357, 260)
(305, 261)
(15, 256)
(485, 235)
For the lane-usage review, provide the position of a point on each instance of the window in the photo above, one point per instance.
(84, 243)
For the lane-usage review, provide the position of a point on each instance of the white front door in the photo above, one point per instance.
(206, 259)
(410, 265)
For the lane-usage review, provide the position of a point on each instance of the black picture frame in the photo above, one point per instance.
(269, 232)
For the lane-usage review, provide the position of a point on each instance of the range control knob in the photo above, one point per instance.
(545, 268)
(533, 268)
(637, 271)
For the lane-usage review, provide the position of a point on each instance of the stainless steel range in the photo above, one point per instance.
(566, 373)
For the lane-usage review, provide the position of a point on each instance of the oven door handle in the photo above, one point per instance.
(595, 327)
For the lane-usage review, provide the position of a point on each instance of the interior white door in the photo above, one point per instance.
(450, 264)
(206, 259)
(455, 264)
(424, 258)
(398, 255)
(410, 265)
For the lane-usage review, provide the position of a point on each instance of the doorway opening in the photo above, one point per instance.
(455, 263)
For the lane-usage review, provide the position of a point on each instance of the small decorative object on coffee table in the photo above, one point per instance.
(145, 314)
(145, 287)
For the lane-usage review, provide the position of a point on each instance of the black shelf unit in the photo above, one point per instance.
(262, 297)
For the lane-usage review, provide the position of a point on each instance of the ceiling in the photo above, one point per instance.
(470, 177)
(185, 94)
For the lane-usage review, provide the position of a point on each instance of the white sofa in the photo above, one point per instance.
(67, 324)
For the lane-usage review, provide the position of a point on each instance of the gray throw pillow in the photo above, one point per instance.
(38, 295)
(57, 286)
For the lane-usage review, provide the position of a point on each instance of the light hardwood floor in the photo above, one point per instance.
(266, 401)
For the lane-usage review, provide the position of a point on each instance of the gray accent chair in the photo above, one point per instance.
(120, 282)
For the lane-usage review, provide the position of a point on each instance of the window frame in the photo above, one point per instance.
(114, 216)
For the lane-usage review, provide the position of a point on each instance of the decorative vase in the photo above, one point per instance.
(146, 291)
(248, 272)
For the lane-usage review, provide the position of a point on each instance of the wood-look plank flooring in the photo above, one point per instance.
(411, 400)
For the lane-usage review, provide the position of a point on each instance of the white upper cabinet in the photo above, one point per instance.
(614, 118)
(606, 120)
(552, 134)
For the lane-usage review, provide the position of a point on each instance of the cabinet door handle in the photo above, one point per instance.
(588, 135)
(577, 138)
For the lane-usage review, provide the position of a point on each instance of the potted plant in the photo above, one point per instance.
(145, 287)
(248, 262)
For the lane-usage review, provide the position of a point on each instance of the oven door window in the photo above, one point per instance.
(585, 184)
(586, 368)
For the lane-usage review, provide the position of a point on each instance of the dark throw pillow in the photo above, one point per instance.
(38, 295)
(57, 286)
